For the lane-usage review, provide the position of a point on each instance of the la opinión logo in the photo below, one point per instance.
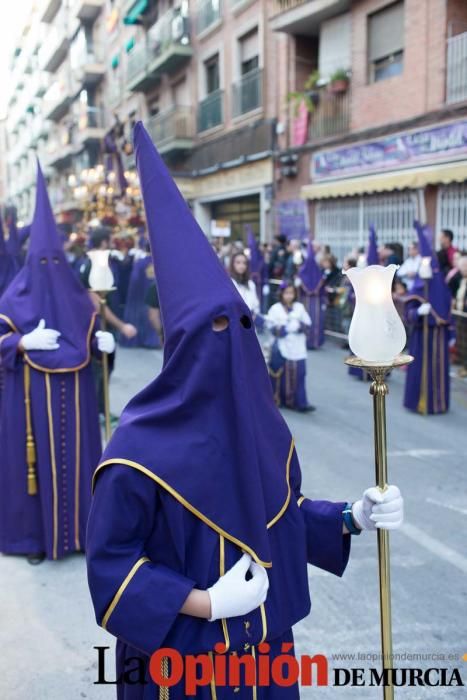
(167, 668)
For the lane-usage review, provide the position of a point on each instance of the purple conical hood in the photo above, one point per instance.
(256, 256)
(439, 294)
(310, 272)
(46, 288)
(207, 428)
(3, 249)
(372, 257)
(13, 245)
(44, 234)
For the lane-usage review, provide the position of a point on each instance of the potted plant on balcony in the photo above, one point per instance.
(309, 95)
(339, 81)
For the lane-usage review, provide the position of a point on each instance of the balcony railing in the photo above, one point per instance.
(54, 50)
(247, 94)
(91, 125)
(210, 111)
(172, 130)
(87, 10)
(456, 78)
(168, 47)
(208, 12)
(331, 116)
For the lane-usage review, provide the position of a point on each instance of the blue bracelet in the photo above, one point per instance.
(348, 520)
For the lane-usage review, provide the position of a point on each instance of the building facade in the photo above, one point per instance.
(194, 72)
(390, 145)
(286, 115)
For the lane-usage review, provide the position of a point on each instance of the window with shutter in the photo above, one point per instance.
(386, 42)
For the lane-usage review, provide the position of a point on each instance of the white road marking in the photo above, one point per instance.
(446, 505)
(422, 452)
(434, 546)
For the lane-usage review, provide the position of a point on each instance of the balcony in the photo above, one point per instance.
(304, 16)
(60, 152)
(91, 127)
(168, 48)
(209, 13)
(57, 100)
(88, 10)
(49, 9)
(172, 131)
(54, 50)
(210, 111)
(89, 68)
(331, 116)
(456, 77)
(247, 94)
(41, 83)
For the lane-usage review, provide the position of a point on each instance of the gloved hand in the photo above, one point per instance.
(293, 325)
(233, 595)
(266, 289)
(384, 509)
(41, 338)
(105, 341)
(424, 309)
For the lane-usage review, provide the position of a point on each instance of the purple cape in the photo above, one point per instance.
(46, 288)
(435, 290)
(313, 296)
(8, 264)
(136, 309)
(258, 270)
(372, 257)
(206, 429)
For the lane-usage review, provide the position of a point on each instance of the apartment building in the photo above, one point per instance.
(286, 115)
(195, 72)
(391, 144)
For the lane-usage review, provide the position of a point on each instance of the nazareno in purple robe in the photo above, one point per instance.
(313, 297)
(136, 309)
(427, 380)
(201, 467)
(49, 429)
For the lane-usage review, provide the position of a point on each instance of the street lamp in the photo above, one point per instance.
(376, 337)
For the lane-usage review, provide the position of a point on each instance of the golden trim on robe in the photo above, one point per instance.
(121, 590)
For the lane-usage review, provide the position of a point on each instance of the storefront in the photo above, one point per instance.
(389, 182)
(240, 195)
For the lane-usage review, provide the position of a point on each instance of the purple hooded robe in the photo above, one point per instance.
(201, 468)
(313, 296)
(427, 379)
(49, 430)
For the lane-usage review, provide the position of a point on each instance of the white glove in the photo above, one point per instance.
(41, 338)
(233, 595)
(424, 309)
(384, 509)
(293, 325)
(297, 282)
(105, 341)
(265, 289)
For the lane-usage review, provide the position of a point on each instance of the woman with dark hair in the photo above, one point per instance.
(239, 271)
(289, 322)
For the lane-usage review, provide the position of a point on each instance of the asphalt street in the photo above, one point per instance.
(47, 628)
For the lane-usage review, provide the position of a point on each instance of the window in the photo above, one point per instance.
(212, 74)
(386, 42)
(249, 59)
(334, 50)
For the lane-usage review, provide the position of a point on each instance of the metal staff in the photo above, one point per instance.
(379, 390)
(105, 368)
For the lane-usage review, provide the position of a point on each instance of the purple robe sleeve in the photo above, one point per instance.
(134, 598)
(327, 546)
(9, 355)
